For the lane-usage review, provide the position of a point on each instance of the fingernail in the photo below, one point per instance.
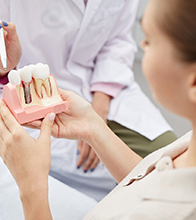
(78, 152)
(51, 117)
(5, 23)
(85, 171)
(78, 167)
(1, 25)
(92, 169)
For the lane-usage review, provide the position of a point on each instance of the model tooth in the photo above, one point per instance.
(14, 78)
(32, 67)
(38, 86)
(25, 74)
(46, 84)
(41, 73)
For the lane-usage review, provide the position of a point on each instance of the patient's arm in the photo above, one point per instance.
(113, 152)
(35, 204)
(80, 121)
(28, 160)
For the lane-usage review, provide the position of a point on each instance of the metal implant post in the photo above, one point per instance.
(27, 92)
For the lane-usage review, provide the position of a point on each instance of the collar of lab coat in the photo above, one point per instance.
(88, 12)
(80, 5)
(91, 7)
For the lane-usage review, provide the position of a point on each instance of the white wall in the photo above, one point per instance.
(179, 124)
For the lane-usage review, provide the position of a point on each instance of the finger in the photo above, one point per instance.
(79, 149)
(83, 154)
(46, 127)
(2, 146)
(10, 28)
(8, 118)
(33, 124)
(4, 24)
(94, 163)
(65, 95)
(30, 126)
(4, 132)
(91, 158)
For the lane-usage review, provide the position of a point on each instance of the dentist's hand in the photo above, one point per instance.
(13, 47)
(28, 159)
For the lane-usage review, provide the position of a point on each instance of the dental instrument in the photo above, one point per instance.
(3, 49)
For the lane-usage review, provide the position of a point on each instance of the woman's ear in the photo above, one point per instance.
(192, 86)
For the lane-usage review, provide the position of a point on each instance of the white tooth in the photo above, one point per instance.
(32, 67)
(25, 74)
(14, 77)
(41, 73)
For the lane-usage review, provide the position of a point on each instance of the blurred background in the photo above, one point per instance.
(179, 124)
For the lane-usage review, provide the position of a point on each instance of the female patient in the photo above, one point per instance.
(161, 186)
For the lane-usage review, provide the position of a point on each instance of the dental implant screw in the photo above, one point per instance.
(27, 92)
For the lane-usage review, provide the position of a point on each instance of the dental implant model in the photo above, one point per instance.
(32, 93)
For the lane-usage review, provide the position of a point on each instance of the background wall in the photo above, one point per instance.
(179, 124)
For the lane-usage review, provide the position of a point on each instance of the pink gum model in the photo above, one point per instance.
(29, 112)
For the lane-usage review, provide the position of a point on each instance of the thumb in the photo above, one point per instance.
(11, 33)
(46, 127)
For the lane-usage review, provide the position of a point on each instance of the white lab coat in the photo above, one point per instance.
(84, 46)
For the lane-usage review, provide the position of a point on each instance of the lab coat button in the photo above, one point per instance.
(139, 176)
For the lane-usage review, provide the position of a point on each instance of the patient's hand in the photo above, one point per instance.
(28, 159)
(76, 122)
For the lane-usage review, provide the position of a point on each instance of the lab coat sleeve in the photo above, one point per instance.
(114, 62)
(5, 10)
(111, 89)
